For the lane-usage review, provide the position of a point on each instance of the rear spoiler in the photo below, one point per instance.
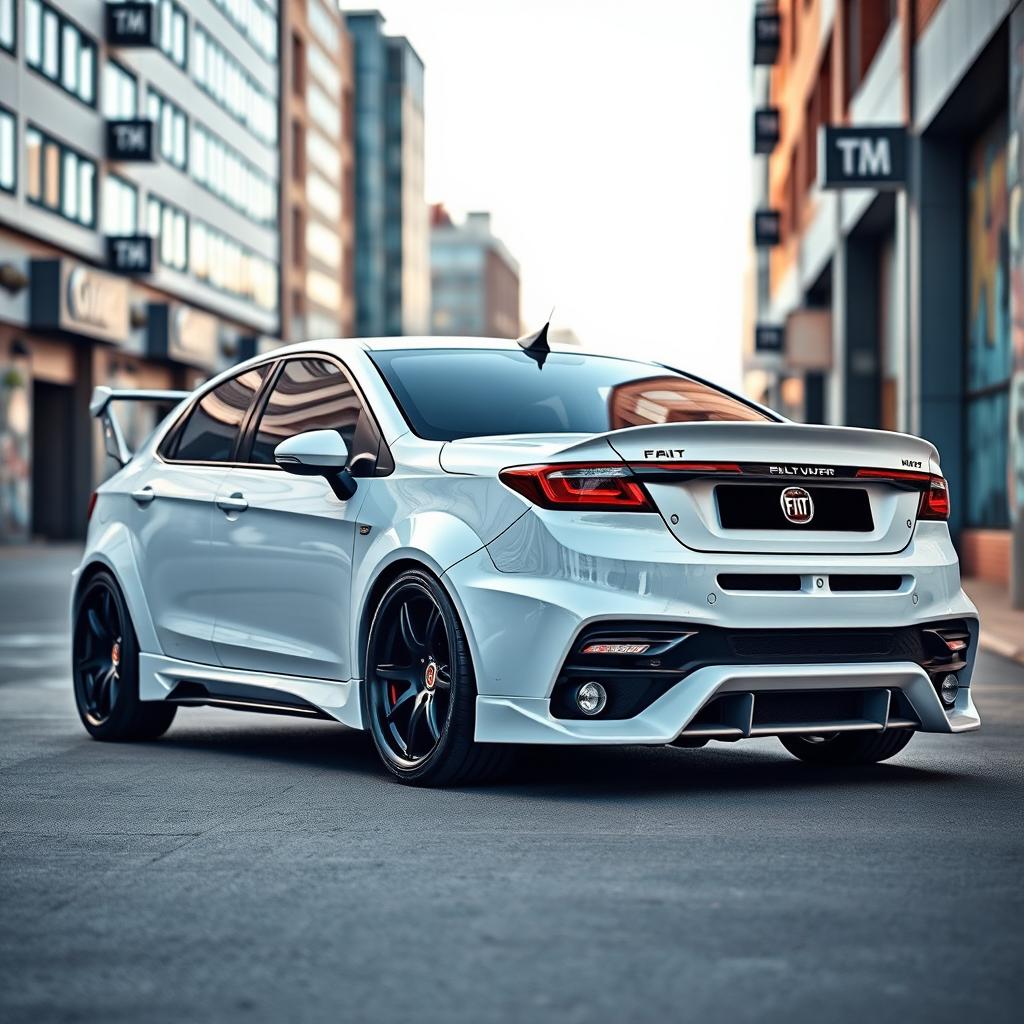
(113, 435)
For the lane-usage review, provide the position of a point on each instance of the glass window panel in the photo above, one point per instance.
(33, 153)
(69, 58)
(7, 24)
(7, 151)
(51, 174)
(33, 33)
(51, 43)
(87, 73)
(212, 428)
(87, 187)
(69, 199)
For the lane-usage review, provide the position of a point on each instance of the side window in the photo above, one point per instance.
(212, 427)
(314, 394)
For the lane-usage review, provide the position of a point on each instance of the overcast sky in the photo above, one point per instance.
(611, 142)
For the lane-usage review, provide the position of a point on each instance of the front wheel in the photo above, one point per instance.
(420, 693)
(848, 747)
(105, 667)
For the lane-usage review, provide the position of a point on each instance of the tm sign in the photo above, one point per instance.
(863, 157)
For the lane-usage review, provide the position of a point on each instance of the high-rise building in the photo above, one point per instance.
(317, 182)
(474, 280)
(138, 221)
(392, 269)
(890, 271)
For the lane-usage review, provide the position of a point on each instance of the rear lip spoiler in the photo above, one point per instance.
(113, 435)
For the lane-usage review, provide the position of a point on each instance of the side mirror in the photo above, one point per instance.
(318, 453)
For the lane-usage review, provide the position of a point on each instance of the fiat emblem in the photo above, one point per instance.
(115, 654)
(430, 676)
(797, 505)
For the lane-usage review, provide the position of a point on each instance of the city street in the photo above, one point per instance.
(246, 867)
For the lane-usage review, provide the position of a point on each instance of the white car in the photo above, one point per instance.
(464, 544)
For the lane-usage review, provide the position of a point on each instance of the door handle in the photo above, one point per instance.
(143, 496)
(236, 503)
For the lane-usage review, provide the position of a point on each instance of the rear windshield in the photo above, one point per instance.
(450, 393)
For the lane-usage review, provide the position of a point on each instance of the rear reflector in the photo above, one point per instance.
(92, 505)
(591, 487)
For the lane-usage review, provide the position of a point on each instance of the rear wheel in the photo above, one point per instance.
(105, 667)
(848, 747)
(420, 690)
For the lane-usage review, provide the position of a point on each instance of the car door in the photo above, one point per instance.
(283, 544)
(171, 518)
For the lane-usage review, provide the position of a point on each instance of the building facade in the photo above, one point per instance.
(317, 160)
(898, 305)
(474, 280)
(138, 221)
(392, 259)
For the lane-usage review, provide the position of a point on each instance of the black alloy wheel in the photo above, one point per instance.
(105, 667)
(420, 693)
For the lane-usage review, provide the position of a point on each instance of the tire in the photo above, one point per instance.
(418, 667)
(105, 668)
(848, 747)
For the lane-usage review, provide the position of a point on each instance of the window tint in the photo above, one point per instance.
(209, 435)
(314, 394)
(451, 393)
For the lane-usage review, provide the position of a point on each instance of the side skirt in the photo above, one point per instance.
(192, 684)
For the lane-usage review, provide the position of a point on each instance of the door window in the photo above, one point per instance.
(211, 430)
(315, 394)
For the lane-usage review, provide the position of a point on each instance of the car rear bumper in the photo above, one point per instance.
(887, 695)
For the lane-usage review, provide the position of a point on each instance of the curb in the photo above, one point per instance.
(1005, 648)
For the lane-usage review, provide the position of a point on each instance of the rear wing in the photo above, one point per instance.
(100, 406)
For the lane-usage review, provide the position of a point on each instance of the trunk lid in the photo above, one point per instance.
(745, 511)
(742, 511)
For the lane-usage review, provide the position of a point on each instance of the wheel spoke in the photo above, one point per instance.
(401, 703)
(407, 631)
(431, 716)
(444, 679)
(395, 673)
(96, 626)
(415, 724)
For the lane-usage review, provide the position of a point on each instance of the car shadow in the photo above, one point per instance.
(553, 772)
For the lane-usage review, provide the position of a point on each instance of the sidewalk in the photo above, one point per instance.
(1002, 627)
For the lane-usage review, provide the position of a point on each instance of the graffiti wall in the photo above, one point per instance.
(989, 357)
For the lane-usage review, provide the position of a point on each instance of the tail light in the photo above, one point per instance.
(935, 500)
(92, 505)
(595, 487)
(934, 490)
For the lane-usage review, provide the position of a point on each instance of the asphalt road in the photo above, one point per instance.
(261, 869)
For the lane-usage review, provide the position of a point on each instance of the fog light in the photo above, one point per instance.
(948, 690)
(591, 698)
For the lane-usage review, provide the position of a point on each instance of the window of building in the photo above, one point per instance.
(314, 394)
(324, 154)
(256, 21)
(59, 178)
(989, 348)
(867, 22)
(227, 174)
(211, 432)
(324, 244)
(8, 151)
(323, 110)
(323, 289)
(8, 25)
(120, 91)
(120, 206)
(230, 267)
(59, 50)
(323, 26)
(172, 128)
(325, 69)
(323, 197)
(220, 75)
(170, 230)
(172, 32)
(298, 65)
(298, 151)
(298, 237)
